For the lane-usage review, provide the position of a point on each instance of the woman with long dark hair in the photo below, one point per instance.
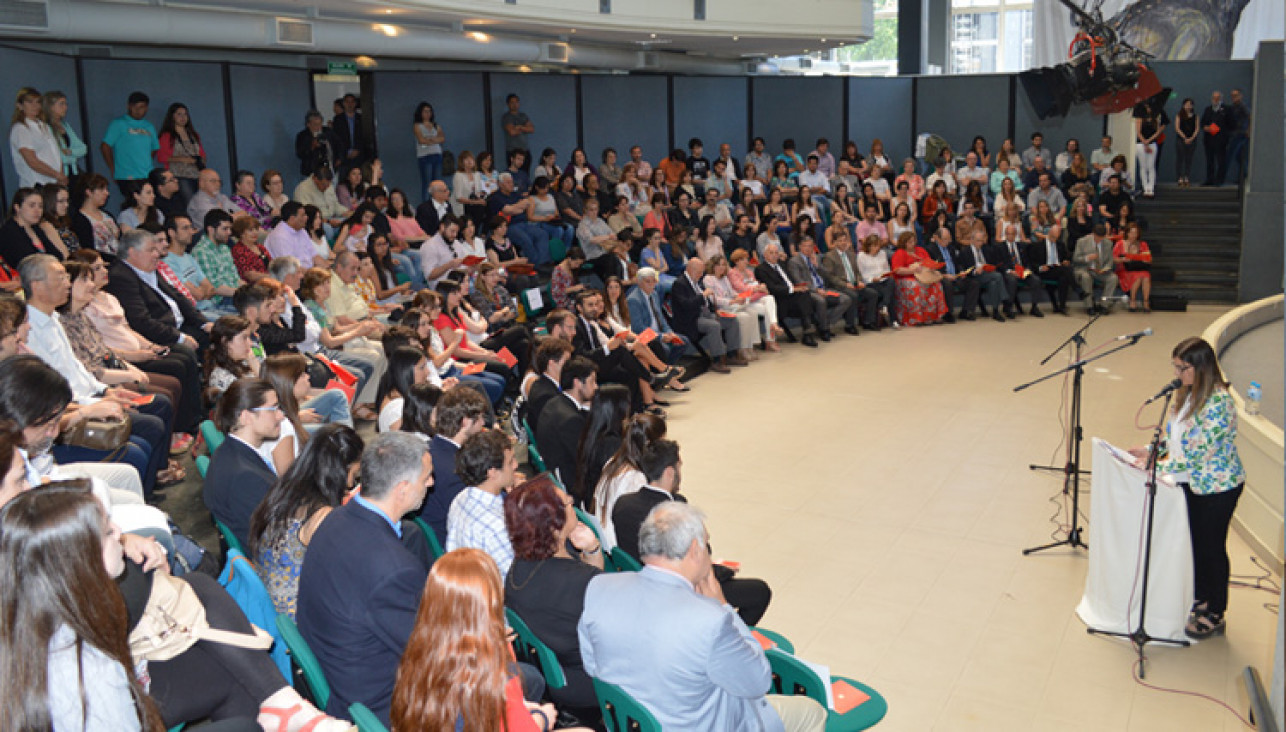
(296, 505)
(229, 356)
(422, 320)
(621, 475)
(428, 145)
(140, 209)
(407, 366)
(288, 374)
(418, 410)
(1185, 128)
(600, 439)
(451, 326)
(94, 227)
(387, 288)
(181, 151)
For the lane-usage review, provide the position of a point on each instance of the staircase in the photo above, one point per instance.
(1195, 237)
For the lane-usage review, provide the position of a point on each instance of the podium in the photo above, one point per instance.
(1113, 583)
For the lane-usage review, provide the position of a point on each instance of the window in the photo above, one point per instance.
(989, 36)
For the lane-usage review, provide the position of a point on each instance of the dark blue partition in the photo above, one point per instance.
(199, 86)
(548, 100)
(620, 111)
(268, 111)
(457, 105)
(878, 108)
(959, 107)
(1197, 79)
(800, 108)
(45, 72)
(712, 108)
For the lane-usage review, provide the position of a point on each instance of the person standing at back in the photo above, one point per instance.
(129, 144)
(517, 125)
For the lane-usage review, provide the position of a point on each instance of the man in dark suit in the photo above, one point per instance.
(429, 215)
(990, 282)
(551, 355)
(645, 312)
(239, 477)
(792, 298)
(1050, 260)
(942, 249)
(564, 417)
(805, 268)
(153, 307)
(694, 317)
(661, 464)
(1216, 143)
(1007, 256)
(616, 363)
(359, 588)
(460, 412)
(354, 147)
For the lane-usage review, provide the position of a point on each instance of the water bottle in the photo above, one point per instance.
(1253, 394)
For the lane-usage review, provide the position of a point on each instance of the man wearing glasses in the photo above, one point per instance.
(241, 470)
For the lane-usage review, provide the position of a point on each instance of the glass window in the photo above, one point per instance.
(990, 36)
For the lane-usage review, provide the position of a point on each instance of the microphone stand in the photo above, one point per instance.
(1077, 340)
(1139, 636)
(1072, 479)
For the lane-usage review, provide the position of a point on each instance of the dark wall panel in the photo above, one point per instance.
(959, 107)
(878, 108)
(550, 102)
(268, 111)
(1197, 79)
(620, 111)
(45, 72)
(199, 86)
(457, 105)
(1262, 210)
(803, 109)
(712, 108)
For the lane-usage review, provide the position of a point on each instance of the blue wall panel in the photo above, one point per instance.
(1197, 79)
(878, 108)
(802, 109)
(457, 105)
(712, 108)
(199, 86)
(959, 107)
(268, 111)
(45, 72)
(620, 111)
(550, 103)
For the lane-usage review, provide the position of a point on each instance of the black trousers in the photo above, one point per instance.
(798, 305)
(966, 287)
(1216, 151)
(749, 596)
(183, 365)
(1208, 519)
(622, 367)
(214, 680)
(1062, 287)
(517, 340)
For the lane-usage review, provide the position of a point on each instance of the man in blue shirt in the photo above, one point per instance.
(129, 144)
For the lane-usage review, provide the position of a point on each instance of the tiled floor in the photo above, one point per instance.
(880, 485)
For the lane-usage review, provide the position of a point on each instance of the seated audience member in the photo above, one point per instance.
(349, 343)
(564, 284)
(1118, 168)
(485, 465)
(461, 412)
(805, 268)
(1076, 174)
(1092, 264)
(564, 417)
(644, 303)
(1113, 199)
(1133, 268)
(1037, 151)
(1008, 249)
(76, 632)
(870, 225)
(360, 587)
(459, 632)
(1002, 173)
(239, 477)
(552, 354)
(942, 173)
(230, 355)
(418, 410)
(1046, 191)
(346, 304)
(248, 254)
(152, 306)
(990, 282)
(615, 319)
(209, 197)
(502, 253)
(21, 235)
(695, 318)
(1046, 255)
(213, 254)
(944, 250)
(616, 262)
(542, 212)
(702, 669)
(968, 221)
(210, 300)
(621, 474)
(250, 202)
(316, 190)
(443, 353)
(747, 312)
(661, 465)
(290, 238)
(873, 265)
(793, 299)
(919, 302)
(438, 255)
(511, 202)
(841, 274)
(599, 440)
(616, 362)
(283, 524)
(593, 234)
(46, 286)
(546, 583)
(408, 365)
(305, 408)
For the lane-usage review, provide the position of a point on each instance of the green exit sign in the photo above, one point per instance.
(341, 68)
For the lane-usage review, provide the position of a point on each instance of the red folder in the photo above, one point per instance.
(847, 697)
(474, 368)
(646, 337)
(508, 358)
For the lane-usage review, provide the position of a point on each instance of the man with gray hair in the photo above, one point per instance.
(701, 669)
(152, 306)
(359, 588)
(512, 203)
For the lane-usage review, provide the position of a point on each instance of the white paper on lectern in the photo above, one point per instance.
(1113, 582)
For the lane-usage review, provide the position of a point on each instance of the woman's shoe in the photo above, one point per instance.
(772, 346)
(286, 711)
(1205, 624)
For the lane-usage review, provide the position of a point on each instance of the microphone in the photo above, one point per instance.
(1140, 334)
(1165, 390)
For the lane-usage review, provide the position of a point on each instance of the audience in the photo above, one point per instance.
(239, 476)
(486, 466)
(563, 418)
(152, 306)
(461, 413)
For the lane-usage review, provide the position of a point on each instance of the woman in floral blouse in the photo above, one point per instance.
(249, 255)
(1201, 453)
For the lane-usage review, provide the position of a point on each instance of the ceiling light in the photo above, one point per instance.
(389, 30)
(525, 69)
(388, 11)
(823, 40)
(366, 62)
(479, 36)
(736, 38)
(654, 35)
(573, 30)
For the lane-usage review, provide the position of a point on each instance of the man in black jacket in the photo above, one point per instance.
(551, 355)
(695, 318)
(564, 417)
(239, 478)
(793, 299)
(942, 249)
(1216, 142)
(152, 306)
(354, 147)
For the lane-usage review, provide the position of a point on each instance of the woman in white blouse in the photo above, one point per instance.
(33, 147)
(873, 266)
(466, 185)
(633, 191)
(727, 299)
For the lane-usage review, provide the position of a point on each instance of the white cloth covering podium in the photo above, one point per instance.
(1118, 526)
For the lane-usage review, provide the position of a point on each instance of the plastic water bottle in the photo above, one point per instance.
(1253, 393)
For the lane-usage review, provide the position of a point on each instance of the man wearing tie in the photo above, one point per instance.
(804, 268)
(616, 364)
(839, 271)
(645, 312)
(695, 317)
(792, 297)
(1092, 262)
(1050, 261)
(944, 250)
(1008, 258)
(990, 283)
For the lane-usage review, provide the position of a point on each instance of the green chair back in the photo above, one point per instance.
(592, 523)
(202, 465)
(434, 545)
(557, 249)
(531, 649)
(229, 538)
(791, 677)
(533, 453)
(314, 678)
(621, 713)
(213, 437)
(365, 719)
(624, 562)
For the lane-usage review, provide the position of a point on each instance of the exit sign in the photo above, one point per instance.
(341, 68)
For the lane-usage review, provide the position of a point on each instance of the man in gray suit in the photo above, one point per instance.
(839, 270)
(699, 670)
(805, 268)
(1092, 263)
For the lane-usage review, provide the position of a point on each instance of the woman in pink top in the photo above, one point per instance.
(403, 227)
(742, 279)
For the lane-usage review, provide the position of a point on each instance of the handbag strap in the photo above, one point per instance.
(260, 640)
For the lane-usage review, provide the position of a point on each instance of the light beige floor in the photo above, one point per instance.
(880, 485)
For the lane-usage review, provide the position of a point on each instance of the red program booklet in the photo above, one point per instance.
(507, 357)
(473, 368)
(646, 336)
(847, 697)
(472, 259)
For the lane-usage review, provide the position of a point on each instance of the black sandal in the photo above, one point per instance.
(1205, 624)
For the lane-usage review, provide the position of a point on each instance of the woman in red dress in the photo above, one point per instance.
(1133, 267)
(919, 302)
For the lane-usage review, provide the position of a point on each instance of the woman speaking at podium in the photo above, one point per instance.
(1201, 453)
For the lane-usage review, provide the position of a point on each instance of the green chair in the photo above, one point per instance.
(314, 678)
(791, 676)
(434, 545)
(557, 249)
(621, 713)
(624, 562)
(592, 523)
(229, 538)
(213, 437)
(202, 465)
(533, 453)
(531, 649)
(365, 719)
